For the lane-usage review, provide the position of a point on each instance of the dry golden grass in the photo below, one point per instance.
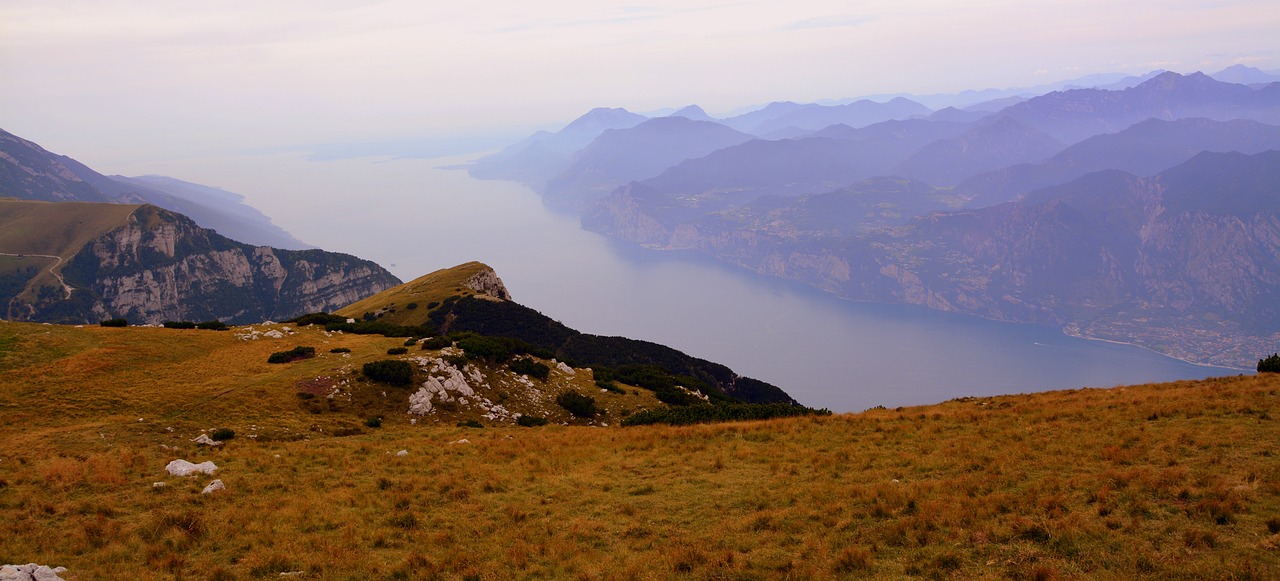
(422, 291)
(1159, 481)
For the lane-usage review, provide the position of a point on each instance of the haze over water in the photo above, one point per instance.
(414, 218)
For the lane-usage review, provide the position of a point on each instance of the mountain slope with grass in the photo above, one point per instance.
(470, 298)
(1155, 481)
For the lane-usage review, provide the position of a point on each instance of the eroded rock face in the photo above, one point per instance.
(162, 266)
(487, 282)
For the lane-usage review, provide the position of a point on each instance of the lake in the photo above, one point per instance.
(413, 217)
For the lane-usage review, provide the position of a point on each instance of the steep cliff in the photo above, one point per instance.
(157, 265)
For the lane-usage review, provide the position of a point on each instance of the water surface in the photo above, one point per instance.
(414, 218)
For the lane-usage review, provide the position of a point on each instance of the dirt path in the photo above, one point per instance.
(52, 270)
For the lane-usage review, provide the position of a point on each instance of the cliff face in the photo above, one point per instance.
(161, 266)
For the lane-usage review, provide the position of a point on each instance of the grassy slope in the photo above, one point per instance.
(1158, 481)
(434, 287)
(55, 229)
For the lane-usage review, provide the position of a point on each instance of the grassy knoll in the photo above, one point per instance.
(1158, 481)
(423, 293)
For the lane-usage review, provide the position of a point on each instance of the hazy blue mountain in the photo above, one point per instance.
(856, 114)
(545, 154)
(832, 158)
(29, 172)
(1072, 116)
(693, 112)
(619, 156)
(1245, 75)
(995, 143)
(747, 122)
(1143, 149)
(214, 208)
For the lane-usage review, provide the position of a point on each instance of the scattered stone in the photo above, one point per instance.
(564, 368)
(214, 486)
(402, 453)
(462, 441)
(159, 484)
(205, 440)
(274, 334)
(350, 321)
(31, 572)
(184, 468)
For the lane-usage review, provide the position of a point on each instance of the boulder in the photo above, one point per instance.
(205, 440)
(184, 468)
(214, 486)
(31, 572)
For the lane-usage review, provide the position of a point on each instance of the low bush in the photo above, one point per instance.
(582, 406)
(436, 343)
(212, 326)
(708, 413)
(340, 350)
(471, 424)
(410, 342)
(397, 351)
(607, 385)
(411, 306)
(1270, 364)
(529, 421)
(379, 328)
(373, 422)
(317, 319)
(115, 323)
(295, 354)
(179, 324)
(222, 434)
(389, 371)
(527, 366)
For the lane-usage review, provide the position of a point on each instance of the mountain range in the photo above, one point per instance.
(872, 211)
(29, 172)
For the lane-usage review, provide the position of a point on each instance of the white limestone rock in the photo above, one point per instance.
(183, 468)
(214, 486)
(564, 368)
(205, 440)
(31, 572)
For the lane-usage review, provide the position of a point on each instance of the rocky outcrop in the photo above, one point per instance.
(486, 282)
(161, 266)
(31, 572)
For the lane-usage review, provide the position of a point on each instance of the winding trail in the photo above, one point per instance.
(52, 270)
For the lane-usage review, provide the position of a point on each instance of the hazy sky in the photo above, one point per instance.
(112, 83)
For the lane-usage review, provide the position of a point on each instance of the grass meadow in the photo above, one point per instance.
(1162, 481)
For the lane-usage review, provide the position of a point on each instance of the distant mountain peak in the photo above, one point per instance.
(694, 113)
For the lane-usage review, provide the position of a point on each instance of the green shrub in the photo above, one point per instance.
(529, 421)
(115, 323)
(389, 371)
(433, 304)
(708, 413)
(436, 343)
(458, 361)
(340, 350)
(212, 326)
(471, 424)
(222, 434)
(607, 385)
(397, 351)
(179, 325)
(317, 319)
(1270, 364)
(489, 348)
(582, 406)
(410, 342)
(411, 306)
(527, 366)
(373, 422)
(295, 354)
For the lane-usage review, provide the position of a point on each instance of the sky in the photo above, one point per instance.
(122, 84)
